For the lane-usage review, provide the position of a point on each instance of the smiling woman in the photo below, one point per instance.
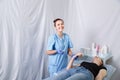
(59, 24)
(58, 48)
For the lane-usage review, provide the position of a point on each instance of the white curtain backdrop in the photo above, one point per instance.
(26, 24)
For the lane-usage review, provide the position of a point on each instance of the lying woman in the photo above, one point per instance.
(85, 71)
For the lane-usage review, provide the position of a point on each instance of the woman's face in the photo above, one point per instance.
(97, 60)
(59, 25)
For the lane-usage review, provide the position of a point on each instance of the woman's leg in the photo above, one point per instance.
(62, 75)
(81, 74)
(78, 76)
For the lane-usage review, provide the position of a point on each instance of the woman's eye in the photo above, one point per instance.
(58, 24)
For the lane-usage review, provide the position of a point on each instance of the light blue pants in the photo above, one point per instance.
(53, 69)
(77, 73)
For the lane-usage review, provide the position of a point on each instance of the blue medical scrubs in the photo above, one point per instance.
(58, 61)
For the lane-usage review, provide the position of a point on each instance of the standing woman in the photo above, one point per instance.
(58, 48)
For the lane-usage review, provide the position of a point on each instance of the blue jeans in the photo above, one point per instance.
(77, 73)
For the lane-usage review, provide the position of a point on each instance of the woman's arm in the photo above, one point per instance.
(51, 51)
(102, 73)
(70, 64)
(69, 52)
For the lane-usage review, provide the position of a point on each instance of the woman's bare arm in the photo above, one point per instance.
(51, 51)
(70, 64)
(102, 73)
(69, 52)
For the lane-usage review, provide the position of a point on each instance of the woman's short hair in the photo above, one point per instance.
(57, 19)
